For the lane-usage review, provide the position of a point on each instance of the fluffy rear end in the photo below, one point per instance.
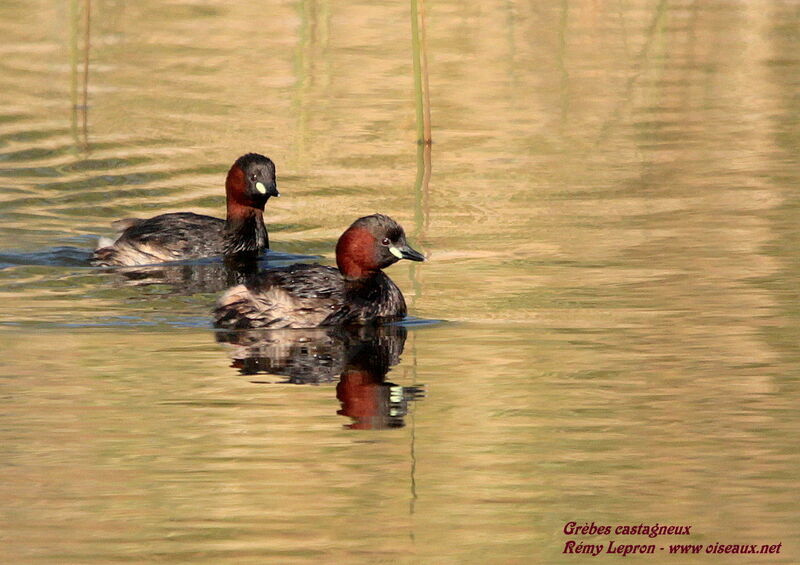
(237, 309)
(299, 296)
(168, 237)
(106, 257)
(122, 254)
(269, 307)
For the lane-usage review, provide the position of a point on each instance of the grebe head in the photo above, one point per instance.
(370, 244)
(250, 182)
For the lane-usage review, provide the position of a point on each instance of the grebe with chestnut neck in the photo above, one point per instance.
(304, 296)
(185, 235)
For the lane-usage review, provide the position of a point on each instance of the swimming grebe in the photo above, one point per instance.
(184, 235)
(304, 296)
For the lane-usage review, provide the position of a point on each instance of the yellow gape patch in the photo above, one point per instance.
(261, 188)
(396, 252)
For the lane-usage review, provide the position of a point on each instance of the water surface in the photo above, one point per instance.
(611, 225)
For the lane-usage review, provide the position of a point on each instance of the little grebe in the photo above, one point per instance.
(303, 296)
(184, 235)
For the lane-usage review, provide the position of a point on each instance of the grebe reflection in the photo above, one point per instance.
(358, 358)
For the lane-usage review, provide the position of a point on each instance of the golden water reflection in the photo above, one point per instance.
(610, 210)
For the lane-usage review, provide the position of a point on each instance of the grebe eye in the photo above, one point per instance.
(386, 241)
(253, 176)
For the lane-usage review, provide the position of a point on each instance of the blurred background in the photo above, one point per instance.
(606, 330)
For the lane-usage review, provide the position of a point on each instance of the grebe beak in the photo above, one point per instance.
(406, 252)
(272, 191)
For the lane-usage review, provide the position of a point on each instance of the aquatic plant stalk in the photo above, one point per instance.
(87, 45)
(424, 138)
(73, 65)
(420, 69)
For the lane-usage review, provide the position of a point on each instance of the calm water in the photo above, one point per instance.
(611, 219)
